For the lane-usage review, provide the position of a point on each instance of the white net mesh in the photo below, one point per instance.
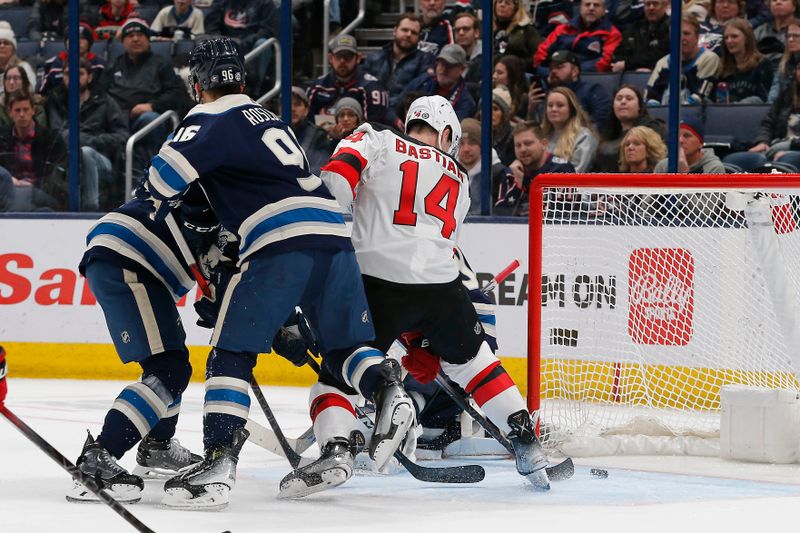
(651, 301)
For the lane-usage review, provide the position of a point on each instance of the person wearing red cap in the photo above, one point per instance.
(692, 159)
(54, 67)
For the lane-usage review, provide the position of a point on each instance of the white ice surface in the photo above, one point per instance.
(672, 494)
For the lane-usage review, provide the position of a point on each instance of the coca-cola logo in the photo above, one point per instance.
(661, 296)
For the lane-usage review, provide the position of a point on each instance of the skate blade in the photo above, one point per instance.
(122, 493)
(539, 480)
(154, 473)
(382, 452)
(296, 487)
(214, 499)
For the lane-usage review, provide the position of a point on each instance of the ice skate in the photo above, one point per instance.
(205, 485)
(95, 462)
(531, 459)
(334, 467)
(394, 415)
(161, 460)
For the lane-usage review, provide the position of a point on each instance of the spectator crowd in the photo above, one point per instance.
(552, 106)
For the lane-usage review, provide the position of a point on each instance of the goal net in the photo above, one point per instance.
(656, 290)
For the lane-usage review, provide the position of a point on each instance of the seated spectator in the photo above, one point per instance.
(791, 57)
(590, 36)
(692, 159)
(467, 30)
(16, 79)
(250, 23)
(713, 27)
(744, 76)
(548, 14)
(624, 13)
(532, 158)
(437, 29)
(646, 41)
(33, 161)
(399, 61)
(469, 155)
(111, 16)
(54, 66)
(8, 52)
(568, 129)
(179, 21)
(144, 85)
(771, 35)
(103, 133)
(565, 71)
(510, 72)
(513, 31)
(502, 138)
(698, 65)
(778, 137)
(346, 78)
(314, 141)
(629, 112)
(48, 20)
(349, 116)
(640, 150)
(447, 81)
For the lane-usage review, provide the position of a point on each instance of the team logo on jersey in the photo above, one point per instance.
(365, 317)
(126, 337)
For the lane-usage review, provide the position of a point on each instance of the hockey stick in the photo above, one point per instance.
(443, 474)
(202, 282)
(265, 437)
(288, 452)
(74, 471)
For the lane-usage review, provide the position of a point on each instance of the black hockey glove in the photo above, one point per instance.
(291, 346)
(208, 309)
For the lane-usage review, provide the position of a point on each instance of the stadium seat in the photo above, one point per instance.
(18, 18)
(27, 49)
(735, 125)
(51, 48)
(148, 12)
(662, 113)
(637, 79)
(100, 49)
(609, 80)
(180, 52)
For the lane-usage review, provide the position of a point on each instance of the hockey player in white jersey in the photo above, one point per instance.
(409, 197)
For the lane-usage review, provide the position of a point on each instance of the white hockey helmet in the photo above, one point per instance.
(437, 112)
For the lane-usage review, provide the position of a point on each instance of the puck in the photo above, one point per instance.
(599, 473)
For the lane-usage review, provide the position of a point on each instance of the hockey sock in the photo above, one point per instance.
(227, 399)
(359, 368)
(332, 413)
(141, 406)
(489, 384)
(165, 429)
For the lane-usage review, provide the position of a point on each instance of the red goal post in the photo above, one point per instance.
(688, 251)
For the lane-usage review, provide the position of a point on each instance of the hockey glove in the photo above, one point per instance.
(290, 345)
(207, 308)
(3, 371)
(160, 205)
(419, 361)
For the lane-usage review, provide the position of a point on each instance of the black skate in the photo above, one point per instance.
(161, 460)
(206, 485)
(334, 467)
(394, 415)
(531, 459)
(95, 462)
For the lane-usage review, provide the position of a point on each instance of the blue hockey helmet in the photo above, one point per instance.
(215, 63)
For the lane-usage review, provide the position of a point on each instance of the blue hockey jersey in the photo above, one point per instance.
(255, 176)
(127, 237)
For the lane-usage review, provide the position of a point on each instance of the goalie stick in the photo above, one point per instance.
(265, 438)
(74, 471)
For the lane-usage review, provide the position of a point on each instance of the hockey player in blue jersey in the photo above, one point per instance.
(137, 273)
(294, 250)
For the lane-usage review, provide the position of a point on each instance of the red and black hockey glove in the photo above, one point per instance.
(419, 361)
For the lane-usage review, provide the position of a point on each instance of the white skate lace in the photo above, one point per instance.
(178, 452)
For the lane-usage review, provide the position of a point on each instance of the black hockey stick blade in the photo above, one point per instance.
(563, 470)
(445, 474)
(291, 455)
(73, 470)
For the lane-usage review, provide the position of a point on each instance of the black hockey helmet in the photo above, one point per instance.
(216, 63)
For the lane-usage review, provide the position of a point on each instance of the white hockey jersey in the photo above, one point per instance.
(408, 201)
